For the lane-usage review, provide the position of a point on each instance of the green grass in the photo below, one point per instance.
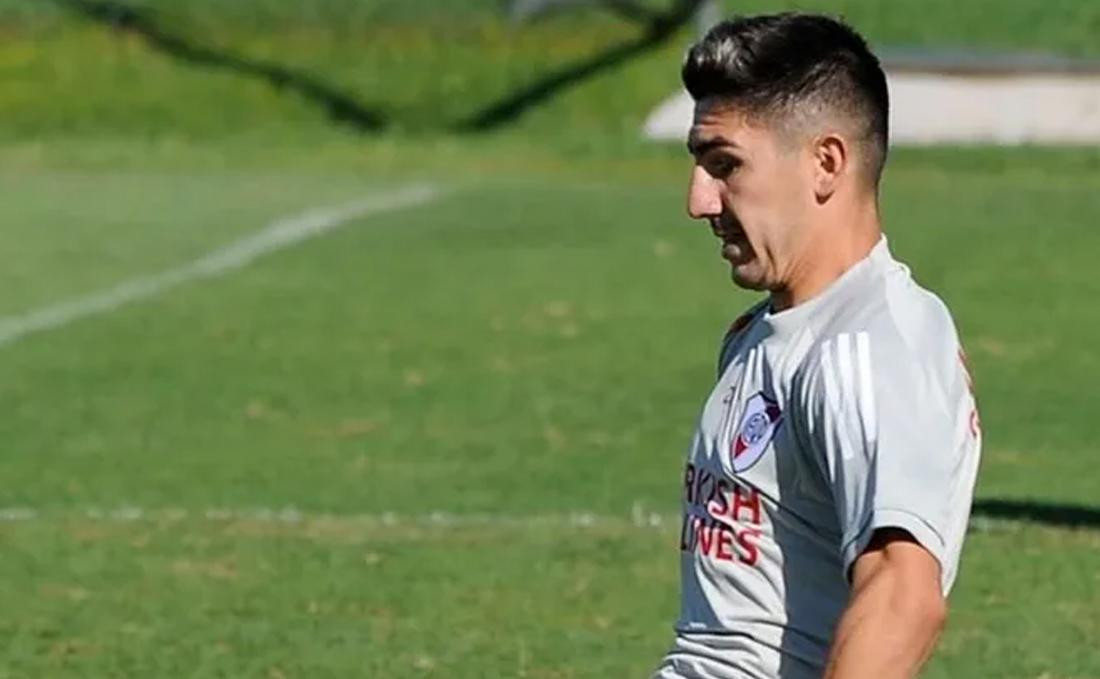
(423, 66)
(534, 344)
(346, 597)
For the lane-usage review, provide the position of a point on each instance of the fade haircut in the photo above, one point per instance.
(785, 68)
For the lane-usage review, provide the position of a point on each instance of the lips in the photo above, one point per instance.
(734, 251)
(735, 245)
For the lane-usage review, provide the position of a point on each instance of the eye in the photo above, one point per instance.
(720, 165)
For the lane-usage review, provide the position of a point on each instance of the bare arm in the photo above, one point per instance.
(895, 614)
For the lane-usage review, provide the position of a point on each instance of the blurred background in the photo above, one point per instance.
(366, 337)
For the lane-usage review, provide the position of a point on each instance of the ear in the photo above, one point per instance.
(832, 157)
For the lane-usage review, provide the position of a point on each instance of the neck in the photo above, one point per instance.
(835, 249)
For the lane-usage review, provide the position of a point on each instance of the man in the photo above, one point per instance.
(829, 483)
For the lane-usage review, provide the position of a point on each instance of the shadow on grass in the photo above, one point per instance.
(1051, 513)
(340, 106)
(659, 28)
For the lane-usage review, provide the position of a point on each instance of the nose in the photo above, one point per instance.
(704, 199)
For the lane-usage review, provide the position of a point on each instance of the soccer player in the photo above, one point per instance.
(829, 482)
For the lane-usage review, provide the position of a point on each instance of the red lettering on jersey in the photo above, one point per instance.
(724, 551)
(719, 540)
(729, 505)
(747, 540)
(704, 536)
(750, 502)
(722, 505)
(975, 419)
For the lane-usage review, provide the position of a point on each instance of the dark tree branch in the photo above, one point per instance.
(633, 11)
(344, 108)
(339, 106)
(658, 29)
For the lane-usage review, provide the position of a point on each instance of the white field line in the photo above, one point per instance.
(292, 515)
(279, 234)
(638, 517)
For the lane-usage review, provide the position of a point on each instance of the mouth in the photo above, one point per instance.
(735, 244)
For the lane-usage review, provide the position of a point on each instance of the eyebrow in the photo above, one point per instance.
(697, 146)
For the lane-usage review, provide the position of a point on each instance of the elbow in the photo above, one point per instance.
(934, 615)
(922, 609)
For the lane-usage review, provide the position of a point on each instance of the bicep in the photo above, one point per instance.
(895, 614)
(900, 552)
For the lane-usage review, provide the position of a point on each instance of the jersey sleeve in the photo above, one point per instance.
(894, 434)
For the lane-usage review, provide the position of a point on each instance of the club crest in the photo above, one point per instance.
(758, 425)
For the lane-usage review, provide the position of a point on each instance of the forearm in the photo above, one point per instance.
(886, 632)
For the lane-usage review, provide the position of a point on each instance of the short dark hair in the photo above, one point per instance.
(771, 64)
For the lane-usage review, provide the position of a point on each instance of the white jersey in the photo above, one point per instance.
(850, 412)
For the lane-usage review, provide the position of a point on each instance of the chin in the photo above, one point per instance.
(749, 280)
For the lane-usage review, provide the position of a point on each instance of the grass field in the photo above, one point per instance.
(445, 441)
(420, 66)
(525, 349)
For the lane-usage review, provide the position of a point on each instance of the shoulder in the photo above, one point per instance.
(736, 331)
(743, 321)
(894, 335)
